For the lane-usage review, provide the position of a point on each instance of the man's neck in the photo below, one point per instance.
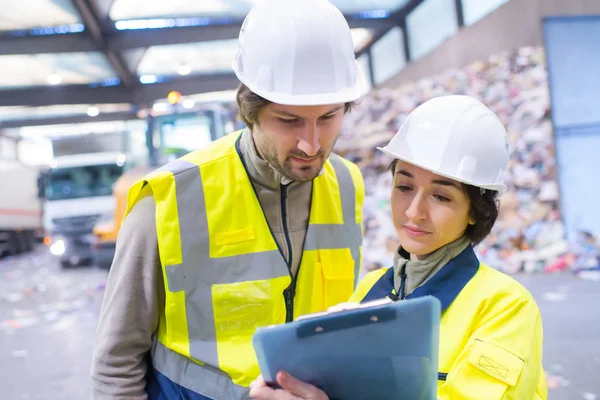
(259, 169)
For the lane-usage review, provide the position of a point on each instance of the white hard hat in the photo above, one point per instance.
(456, 137)
(298, 52)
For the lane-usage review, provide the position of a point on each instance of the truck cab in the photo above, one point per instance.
(77, 192)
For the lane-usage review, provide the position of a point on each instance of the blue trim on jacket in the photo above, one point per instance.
(445, 285)
(159, 387)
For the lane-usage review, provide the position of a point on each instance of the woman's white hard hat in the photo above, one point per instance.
(457, 137)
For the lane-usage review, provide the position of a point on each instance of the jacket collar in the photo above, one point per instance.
(259, 170)
(445, 285)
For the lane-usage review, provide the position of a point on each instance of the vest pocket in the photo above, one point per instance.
(238, 236)
(240, 308)
(243, 306)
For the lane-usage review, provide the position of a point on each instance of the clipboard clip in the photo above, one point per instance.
(345, 319)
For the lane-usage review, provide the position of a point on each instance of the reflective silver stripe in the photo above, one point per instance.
(329, 236)
(207, 381)
(176, 167)
(353, 230)
(180, 279)
(339, 236)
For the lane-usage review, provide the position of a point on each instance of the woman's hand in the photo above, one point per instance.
(291, 389)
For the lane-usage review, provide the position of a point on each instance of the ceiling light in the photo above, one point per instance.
(189, 103)
(93, 111)
(160, 107)
(173, 97)
(121, 160)
(148, 79)
(54, 79)
(184, 69)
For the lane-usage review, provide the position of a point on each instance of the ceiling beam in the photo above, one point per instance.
(118, 41)
(134, 39)
(189, 85)
(65, 94)
(93, 25)
(71, 119)
(142, 94)
(68, 43)
(460, 13)
(400, 14)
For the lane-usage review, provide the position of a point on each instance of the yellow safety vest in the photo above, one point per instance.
(224, 273)
(490, 330)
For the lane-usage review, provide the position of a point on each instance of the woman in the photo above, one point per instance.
(450, 157)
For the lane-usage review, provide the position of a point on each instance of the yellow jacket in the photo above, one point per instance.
(224, 273)
(490, 330)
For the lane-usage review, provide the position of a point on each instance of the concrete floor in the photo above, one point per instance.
(48, 318)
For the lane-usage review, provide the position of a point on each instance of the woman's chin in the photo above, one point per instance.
(416, 248)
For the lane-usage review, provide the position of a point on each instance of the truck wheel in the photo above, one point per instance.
(25, 241)
(14, 244)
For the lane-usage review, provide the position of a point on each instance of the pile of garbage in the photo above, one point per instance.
(529, 235)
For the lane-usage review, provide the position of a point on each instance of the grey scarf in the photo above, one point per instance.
(419, 272)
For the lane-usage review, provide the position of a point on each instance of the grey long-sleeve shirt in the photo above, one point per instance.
(135, 292)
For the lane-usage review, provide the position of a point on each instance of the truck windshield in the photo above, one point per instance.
(77, 182)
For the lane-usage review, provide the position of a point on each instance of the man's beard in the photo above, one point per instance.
(301, 173)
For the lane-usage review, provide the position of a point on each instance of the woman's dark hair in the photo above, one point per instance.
(484, 210)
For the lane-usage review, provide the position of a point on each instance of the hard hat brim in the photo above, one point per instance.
(500, 188)
(312, 99)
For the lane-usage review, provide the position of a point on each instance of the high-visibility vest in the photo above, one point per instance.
(224, 273)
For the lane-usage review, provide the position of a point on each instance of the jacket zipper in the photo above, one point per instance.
(290, 292)
(403, 284)
(399, 294)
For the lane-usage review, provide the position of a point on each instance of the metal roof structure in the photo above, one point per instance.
(61, 58)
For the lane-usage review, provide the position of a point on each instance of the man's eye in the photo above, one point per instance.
(288, 121)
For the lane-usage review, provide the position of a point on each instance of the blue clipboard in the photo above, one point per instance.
(383, 350)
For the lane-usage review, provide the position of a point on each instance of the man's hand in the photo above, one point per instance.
(292, 389)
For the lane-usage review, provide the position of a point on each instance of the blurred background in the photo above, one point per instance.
(95, 93)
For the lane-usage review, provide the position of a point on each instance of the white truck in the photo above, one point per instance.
(77, 193)
(20, 207)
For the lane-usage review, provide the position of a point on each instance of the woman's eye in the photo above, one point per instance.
(403, 188)
(442, 199)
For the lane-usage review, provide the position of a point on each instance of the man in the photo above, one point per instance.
(256, 229)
